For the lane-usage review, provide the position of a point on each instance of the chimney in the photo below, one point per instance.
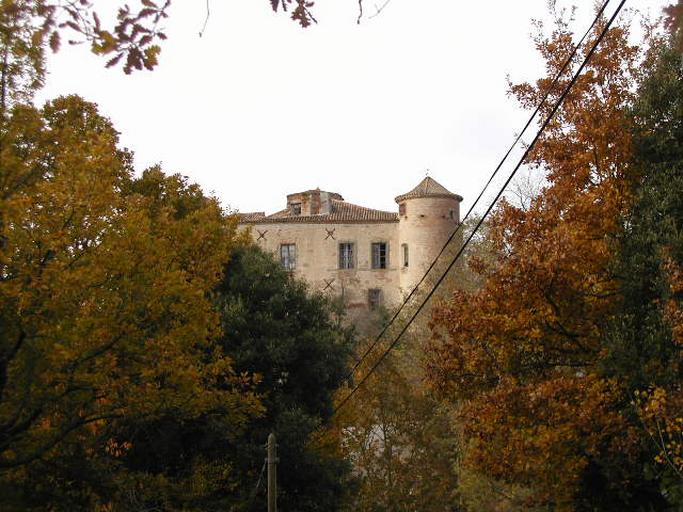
(315, 201)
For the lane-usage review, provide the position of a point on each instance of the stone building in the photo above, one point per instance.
(369, 257)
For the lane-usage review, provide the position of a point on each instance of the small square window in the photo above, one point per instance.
(379, 255)
(402, 209)
(296, 208)
(452, 215)
(374, 298)
(288, 256)
(346, 255)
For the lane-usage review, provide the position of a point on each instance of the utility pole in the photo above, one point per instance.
(272, 474)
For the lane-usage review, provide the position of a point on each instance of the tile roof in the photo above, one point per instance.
(428, 187)
(341, 212)
(250, 216)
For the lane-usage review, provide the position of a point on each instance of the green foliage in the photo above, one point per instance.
(645, 351)
(273, 328)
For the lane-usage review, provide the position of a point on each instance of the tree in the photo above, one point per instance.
(643, 344)
(673, 20)
(520, 355)
(104, 306)
(399, 438)
(273, 328)
(22, 62)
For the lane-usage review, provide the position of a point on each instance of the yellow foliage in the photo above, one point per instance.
(104, 293)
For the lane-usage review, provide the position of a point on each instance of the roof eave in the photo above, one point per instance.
(319, 220)
(409, 195)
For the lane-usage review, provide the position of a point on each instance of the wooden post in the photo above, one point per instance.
(272, 474)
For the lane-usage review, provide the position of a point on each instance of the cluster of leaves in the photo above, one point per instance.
(576, 310)
(132, 36)
(664, 424)
(29, 26)
(301, 13)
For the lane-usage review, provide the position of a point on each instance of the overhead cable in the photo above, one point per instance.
(556, 106)
(458, 229)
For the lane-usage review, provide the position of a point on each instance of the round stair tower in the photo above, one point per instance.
(428, 214)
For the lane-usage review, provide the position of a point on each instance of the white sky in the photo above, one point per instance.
(259, 108)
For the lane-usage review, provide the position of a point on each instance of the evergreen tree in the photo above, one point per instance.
(645, 351)
(274, 328)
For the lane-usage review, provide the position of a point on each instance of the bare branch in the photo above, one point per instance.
(206, 20)
(39, 452)
(378, 10)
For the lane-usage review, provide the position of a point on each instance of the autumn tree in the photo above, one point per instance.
(104, 304)
(521, 354)
(297, 351)
(399, 437)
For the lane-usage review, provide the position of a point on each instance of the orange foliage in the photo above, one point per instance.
(541, 435)
(521, 351)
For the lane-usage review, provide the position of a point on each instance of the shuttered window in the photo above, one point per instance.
(346, 255)
(379, 255)
(288, 256)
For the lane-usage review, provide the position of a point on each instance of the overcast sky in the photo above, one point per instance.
(258, 108)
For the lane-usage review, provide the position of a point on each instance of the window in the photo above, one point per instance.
(402, 209)
(296, 208)
(379, 255)
(374, 298)
(405, 254)
(288, 256)
(452, 215)
(346, 255)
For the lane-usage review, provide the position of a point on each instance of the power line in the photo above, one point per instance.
(550, 88)
(258, 484)
(490, 207)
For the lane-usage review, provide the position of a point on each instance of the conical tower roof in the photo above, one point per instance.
(428, 187)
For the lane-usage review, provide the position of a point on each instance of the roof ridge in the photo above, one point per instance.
(341, 212)
(354, 205)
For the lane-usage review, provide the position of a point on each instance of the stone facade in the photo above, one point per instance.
(369, 257)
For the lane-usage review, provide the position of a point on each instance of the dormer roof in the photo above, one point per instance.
(428, 187)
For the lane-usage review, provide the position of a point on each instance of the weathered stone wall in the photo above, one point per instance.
(317, 247)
